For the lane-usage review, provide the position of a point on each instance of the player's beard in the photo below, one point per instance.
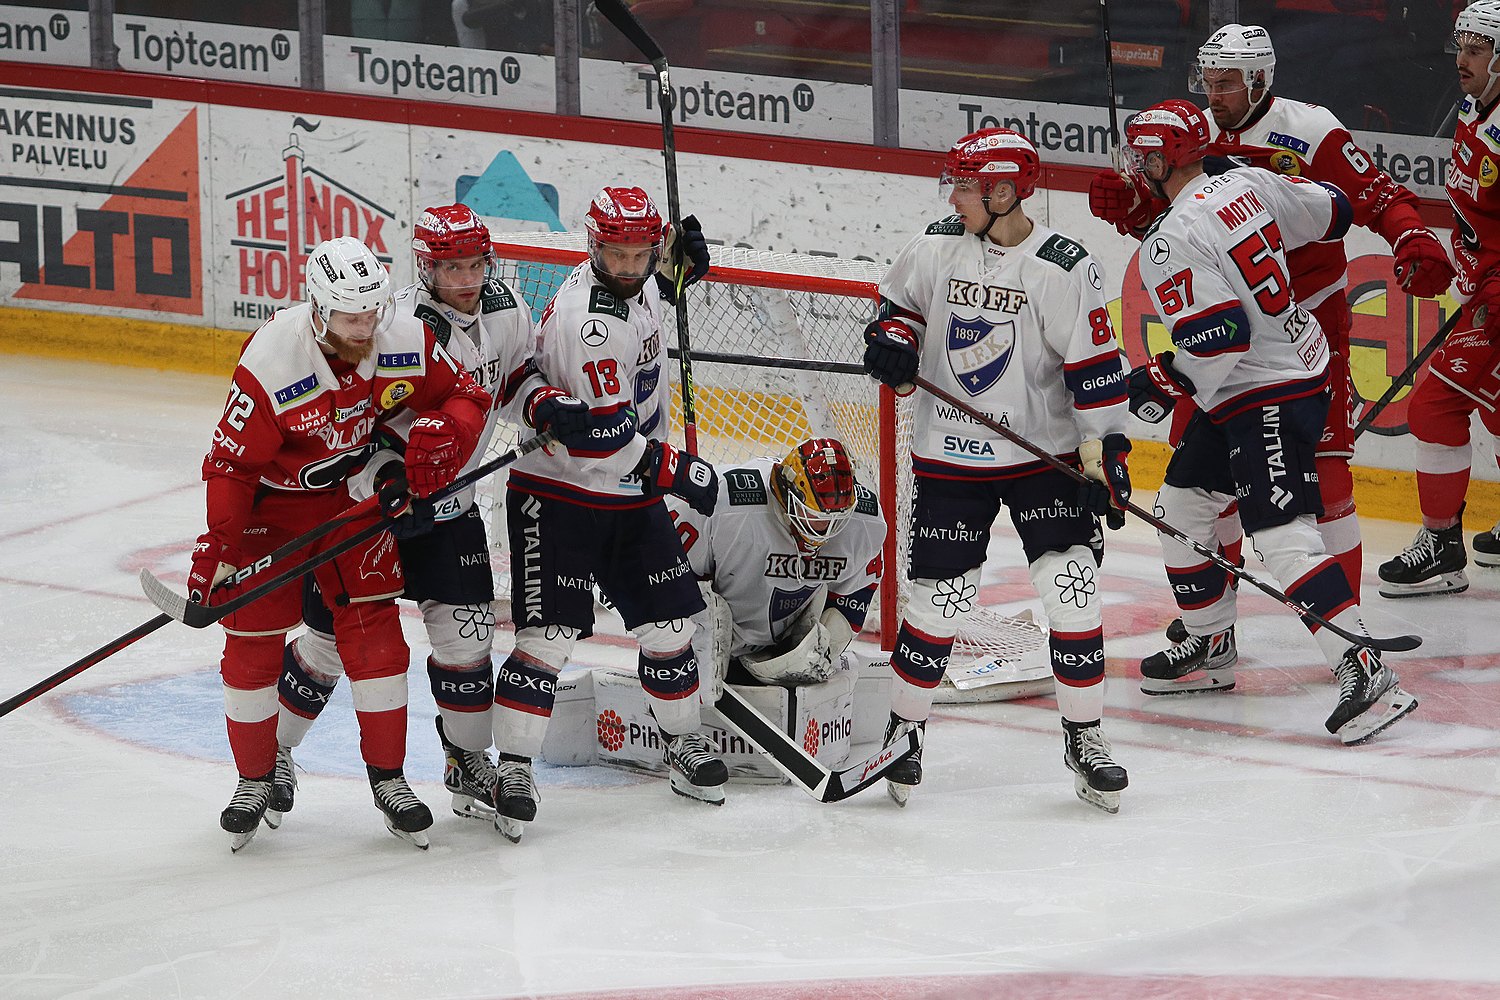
(349, 351)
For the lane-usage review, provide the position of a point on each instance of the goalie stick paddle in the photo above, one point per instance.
(1408, 376)
(806, 771)
(620, 16)
(112, 647)
(197, 615)
(1394, 644)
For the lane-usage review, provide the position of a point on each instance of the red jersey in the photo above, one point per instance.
(1305, 140)
(1472, 173)
(299, 419)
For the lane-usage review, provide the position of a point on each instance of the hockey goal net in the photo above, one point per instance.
(763, 307)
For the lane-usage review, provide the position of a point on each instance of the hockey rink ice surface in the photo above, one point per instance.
(1252, 857)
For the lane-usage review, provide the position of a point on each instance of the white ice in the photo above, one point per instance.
(1253, 856)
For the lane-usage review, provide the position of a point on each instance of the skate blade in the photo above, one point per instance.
(1443, 583)
(510, 829)
(417, 838)
(1486, 560)
(1203, 680)
(712, 794)
(239, 840)
(899, 793)
(1108, 801)
(468, 807)
(273, 819)
(1385, 712)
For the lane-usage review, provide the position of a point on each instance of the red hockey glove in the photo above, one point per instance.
(434, 452)
(1121, 203)
(412, 516)
(213, 560)
(1422, 268)
(1107, 467)
(1156, 387)
(665, 469)
(1486, 303)
(892, 355)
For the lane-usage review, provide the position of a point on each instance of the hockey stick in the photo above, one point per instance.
(1115, 156)
(146, 628)
(798, 364)
(1408, 376)
(620, 16)
(1395, 644)
(203, 615)
(806, 771)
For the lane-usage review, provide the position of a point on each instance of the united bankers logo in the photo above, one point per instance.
(979, 351)
(278, 222)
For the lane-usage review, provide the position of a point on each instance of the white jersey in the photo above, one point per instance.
(747, 552)
(1215, 264)
(493, 346)
(1020, 333)
(607, 352)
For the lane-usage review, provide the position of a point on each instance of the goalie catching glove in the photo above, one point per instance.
(1107, 467)
(695, 258)
(664, 469)
(809, 653)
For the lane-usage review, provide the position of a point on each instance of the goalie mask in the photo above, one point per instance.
(622, 224)
(344, 276)
(814, 485)
(451, 233)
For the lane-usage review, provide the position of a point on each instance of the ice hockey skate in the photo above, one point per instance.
(902, 778)
(241, 818)
(469, 776)
(1370, 697)
(1432, 564)
(515, 796)
(1195, 663)
(1097, 779)
(1487, 548)
(696, 771)
(283, 787)
(405, 814)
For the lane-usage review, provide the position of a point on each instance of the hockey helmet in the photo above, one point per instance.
(450, 232)
(621, 216)
(815, 487)
(344, 276)
(1175, 130)
(992, 155)
(1245, 47)
(1482, 19)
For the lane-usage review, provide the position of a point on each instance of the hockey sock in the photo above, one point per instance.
(380, 706)
(302, 697)
(671, 684)
(464, 693)
(524, 695)
(1339, 525)
(1078, 667)
(1442, 481)
(250, 718)
(918, 661)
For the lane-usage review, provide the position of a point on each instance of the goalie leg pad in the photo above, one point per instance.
(713, 641)
(1068, 585)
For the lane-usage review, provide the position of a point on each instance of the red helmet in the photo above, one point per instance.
(815, 484)
(449, 232)
(1175, 130)
(991, 155)
(621, 216)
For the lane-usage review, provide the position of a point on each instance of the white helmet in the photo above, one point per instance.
(1245, 47)
(1482, 18)
(344, 276)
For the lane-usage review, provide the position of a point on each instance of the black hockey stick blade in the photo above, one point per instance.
(1408, 376)
(616, 13)
(803, 769)
(197, 615)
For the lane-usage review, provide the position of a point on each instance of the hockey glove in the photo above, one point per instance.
(1156, 387)
(664, 469)
(1123, 204)
(213, 560)
(434, 453)
(567, 417)
(891, 355)
(695, 258)
(1422, 268)
(1486, 304)
(410, 516)
(1107, 467)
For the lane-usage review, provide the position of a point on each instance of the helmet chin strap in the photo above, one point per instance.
(320, 329)
(997, 216)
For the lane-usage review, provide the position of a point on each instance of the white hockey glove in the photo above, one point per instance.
(809, 651)
(712, 640)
